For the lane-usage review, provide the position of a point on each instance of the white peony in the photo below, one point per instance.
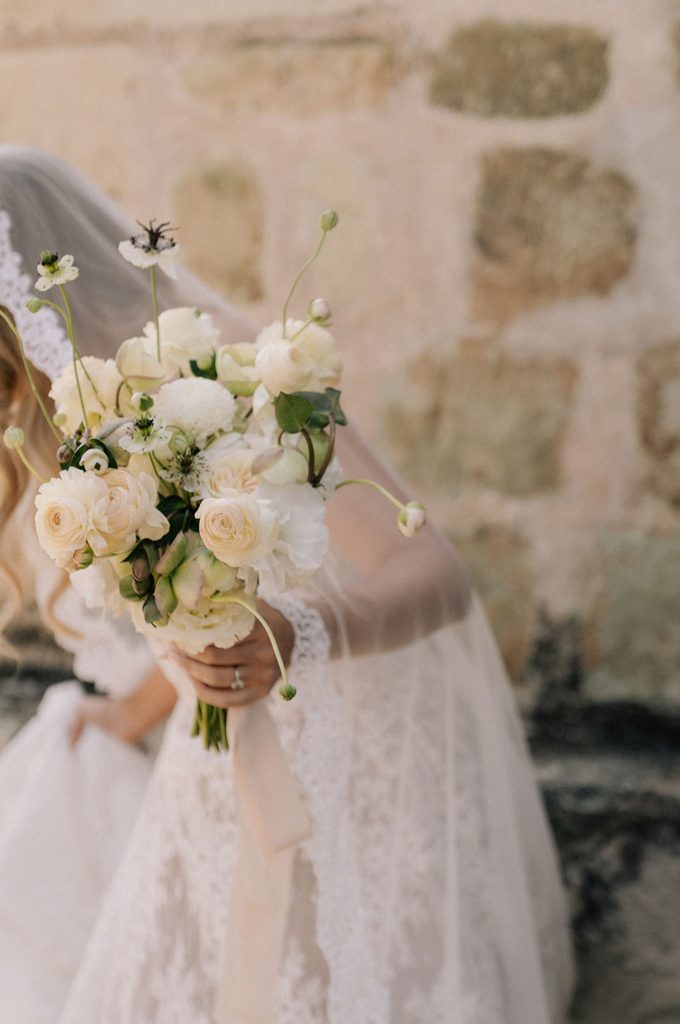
(64, 518)
(301, 541)
(186, 334)
(100, 407)
(196, 405)
(237, 528)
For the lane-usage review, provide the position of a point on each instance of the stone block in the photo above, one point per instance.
(219, 209)
(297, 78)
(549, 226)
(520, 69)
(481, 417)
(633, 628)
(498, 560)
(658, 408)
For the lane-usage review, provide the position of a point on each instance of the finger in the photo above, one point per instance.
(222, 677)
(219, 656)
(229, 698)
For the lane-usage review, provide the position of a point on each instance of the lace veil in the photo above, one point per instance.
(436, 880)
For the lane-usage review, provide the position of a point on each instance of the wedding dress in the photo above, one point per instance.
(426, 890)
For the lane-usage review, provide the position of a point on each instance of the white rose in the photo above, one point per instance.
(128, 513)
(140, 369)
(199, 406)
(186, 334)
(237, 528)
(282, 366)
(63, 517)
(100, 407)
(412, 518)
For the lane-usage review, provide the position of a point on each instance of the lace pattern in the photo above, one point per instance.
(45, 341)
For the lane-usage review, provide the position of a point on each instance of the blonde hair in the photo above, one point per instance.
(18, 407)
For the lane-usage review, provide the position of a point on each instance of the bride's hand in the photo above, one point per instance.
(250, 664)
(117, 717)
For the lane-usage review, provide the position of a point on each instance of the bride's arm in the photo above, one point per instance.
(127, 718)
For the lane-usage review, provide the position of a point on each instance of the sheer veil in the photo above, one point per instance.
(437, 888)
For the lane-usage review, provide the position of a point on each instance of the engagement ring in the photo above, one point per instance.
(238, 683)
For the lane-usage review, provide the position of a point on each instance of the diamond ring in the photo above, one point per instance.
(238, 683)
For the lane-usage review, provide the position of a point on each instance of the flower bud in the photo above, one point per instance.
(48, 258)
(13, 437)
(287, 691)
(64, 454)
(319, 310)
(60, 419)
(140, 570)
(329, 220)
(205, 362)
(142, 401)
(84, 558)
(411, 518)
(181, 441)
(34, 305)
(95, 460)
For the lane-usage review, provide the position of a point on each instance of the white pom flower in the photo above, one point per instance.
(197, 406)
(99, 407)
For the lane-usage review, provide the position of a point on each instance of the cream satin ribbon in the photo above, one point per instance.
(271, 821)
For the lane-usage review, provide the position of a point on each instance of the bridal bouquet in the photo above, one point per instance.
(194, 475)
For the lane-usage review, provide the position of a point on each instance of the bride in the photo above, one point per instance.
(394, 866)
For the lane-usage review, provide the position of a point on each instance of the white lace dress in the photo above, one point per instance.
(66, 814)
(427, 893)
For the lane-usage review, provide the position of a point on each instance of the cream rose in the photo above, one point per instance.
(238, 528)
(63, 517)
(321, 348)
(129, 512)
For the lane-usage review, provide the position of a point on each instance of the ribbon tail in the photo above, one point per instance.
(271, 822)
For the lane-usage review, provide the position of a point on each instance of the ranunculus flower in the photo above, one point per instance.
(229, 468)
(196, 405)
(106, 379)
(235, 367)
(128, 514)
(186, 334)
(63, 517)
(237, 528)
(282, 366)
(138, 367)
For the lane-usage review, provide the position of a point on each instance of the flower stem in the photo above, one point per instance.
(31, 469)
(305, 266)
(156, 317)
(308, 321)
(29, 374)
(378, 487)
(230, 599)
(68, 317)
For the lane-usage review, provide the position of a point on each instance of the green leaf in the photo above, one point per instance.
(335, 407)
(165, 596)
(152, 613)
(292, 412)
(210, 373)
(171, 504)
(173, 556)
(94, 442)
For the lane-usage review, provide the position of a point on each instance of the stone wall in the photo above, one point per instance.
(507, 267)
